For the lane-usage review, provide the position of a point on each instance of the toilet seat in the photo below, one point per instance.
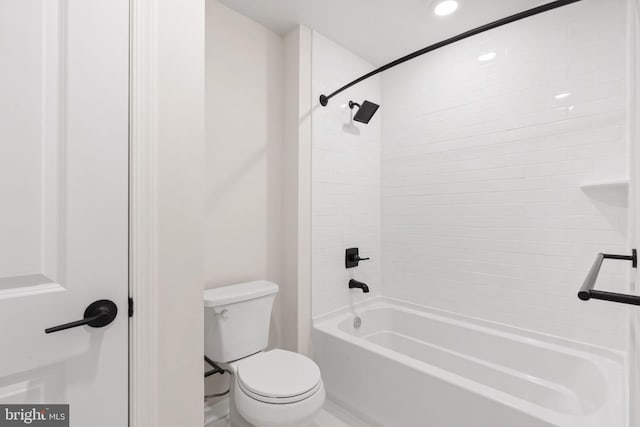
(280, 400)
(278, 376)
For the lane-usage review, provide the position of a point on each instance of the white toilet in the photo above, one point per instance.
(268, 389)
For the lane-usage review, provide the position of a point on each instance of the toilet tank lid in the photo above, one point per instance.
(236, 293)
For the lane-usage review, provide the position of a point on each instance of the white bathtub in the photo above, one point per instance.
(410, 366)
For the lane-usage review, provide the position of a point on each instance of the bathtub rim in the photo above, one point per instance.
(379, 301)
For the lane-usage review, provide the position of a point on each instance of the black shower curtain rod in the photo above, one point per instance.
(324, 99)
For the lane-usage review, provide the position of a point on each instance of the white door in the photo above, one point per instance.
(63, 205)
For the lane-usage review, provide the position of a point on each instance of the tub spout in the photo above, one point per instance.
(354, 284)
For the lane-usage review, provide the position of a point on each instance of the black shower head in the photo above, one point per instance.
(365, 111)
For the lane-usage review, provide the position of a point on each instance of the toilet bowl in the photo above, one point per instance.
(275, 388)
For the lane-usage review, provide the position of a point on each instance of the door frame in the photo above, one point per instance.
(142, 326)
(166, 212)
(633, 28)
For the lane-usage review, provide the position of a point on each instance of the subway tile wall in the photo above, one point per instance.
(482, 165)
(345, 180)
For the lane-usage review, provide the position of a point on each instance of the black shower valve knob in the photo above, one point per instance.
(352, 258)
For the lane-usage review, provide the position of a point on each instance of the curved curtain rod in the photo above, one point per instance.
(324, 99)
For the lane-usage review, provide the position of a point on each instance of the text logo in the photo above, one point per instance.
(34, 415)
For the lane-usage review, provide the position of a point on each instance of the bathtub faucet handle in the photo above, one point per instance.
(352, 258)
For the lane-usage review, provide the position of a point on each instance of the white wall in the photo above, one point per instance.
(243, 156)
(482, 210)
(345, 177)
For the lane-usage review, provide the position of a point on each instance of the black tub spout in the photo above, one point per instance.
(354, 284)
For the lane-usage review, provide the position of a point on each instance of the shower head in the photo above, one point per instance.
(365, 111)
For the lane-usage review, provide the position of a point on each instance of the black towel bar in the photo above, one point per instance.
(587, 292)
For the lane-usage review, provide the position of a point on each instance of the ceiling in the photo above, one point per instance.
(377, 30)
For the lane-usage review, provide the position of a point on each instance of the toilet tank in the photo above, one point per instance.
(236, 319)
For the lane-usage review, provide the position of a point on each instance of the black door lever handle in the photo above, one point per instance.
(98, 314)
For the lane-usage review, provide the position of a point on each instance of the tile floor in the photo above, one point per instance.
(331, 415)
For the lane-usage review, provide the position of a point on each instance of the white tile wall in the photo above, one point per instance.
(482, 210)
(346, 180)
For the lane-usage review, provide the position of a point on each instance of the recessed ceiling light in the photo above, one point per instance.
(487, 56)
(446, 7)
(563, 95)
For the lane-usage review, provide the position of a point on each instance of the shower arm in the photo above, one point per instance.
(324, 99)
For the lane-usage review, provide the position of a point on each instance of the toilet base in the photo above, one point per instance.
(235, 419)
